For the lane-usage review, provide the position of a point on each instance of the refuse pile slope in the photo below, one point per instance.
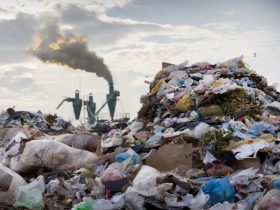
(207, 137)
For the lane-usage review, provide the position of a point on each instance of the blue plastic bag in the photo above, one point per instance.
(260, 127)
(123, 156)
(276, 184)
(219, 190)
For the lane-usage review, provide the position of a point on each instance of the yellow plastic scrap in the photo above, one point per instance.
(185, 103)
(158, 85)
(247, 70)
(242, 63)
(217, 83)
(159, 74)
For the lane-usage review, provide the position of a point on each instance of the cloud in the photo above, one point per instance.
(111, 34)
(104, 5)
(18, 80)
(147, 57)
(2, 10)
(16, 35)
(104, 30)
(228, 12)
(38, 6)
(222, 26)
(18, 87)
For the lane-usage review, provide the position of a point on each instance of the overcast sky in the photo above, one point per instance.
(133, 37)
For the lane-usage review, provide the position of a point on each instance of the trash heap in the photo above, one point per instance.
(207, 137)
(49, 124)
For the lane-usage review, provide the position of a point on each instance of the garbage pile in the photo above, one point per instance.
(49, 124)
(207, 137)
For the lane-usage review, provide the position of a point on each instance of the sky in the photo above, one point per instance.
(133, 37)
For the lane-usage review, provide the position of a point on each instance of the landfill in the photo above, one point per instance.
(206, 137)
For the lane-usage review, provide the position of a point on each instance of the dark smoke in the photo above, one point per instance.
(50, 46)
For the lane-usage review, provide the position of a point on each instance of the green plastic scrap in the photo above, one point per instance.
(87, 205)
(31, 199)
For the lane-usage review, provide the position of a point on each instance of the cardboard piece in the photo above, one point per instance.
(171, 156)
(247, 163)
(165, 64)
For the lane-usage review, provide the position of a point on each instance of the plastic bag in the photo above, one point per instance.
(243, 177)
(185, 103)
(110, 142)
(271, 201)
(260, 127)
(209, 158)
(135, 127)
(9, 182)
(53, 155)
(197, 202)
(134, 201)
(249, 201)
(247, 150)
(158, 86)
(30, 195)
(201, 129)
(219, 190)
(118, 201)
(115, 203)
(31, 199)
(222, 206)
(114, 172)
(120, 157)
(207, 79)
(145, 181)
(87, 142)
(86, 205)
(155, 139)
(276, 184)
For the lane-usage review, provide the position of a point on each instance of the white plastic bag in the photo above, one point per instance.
(145, 181)
(53, 155)
(9, 182)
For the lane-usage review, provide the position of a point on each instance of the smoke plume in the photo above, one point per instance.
(50, 46)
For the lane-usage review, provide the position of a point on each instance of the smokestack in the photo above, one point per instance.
(77, 105)
(51, 46)
(112, 100)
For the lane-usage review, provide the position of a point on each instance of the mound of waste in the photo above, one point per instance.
(207, 137)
